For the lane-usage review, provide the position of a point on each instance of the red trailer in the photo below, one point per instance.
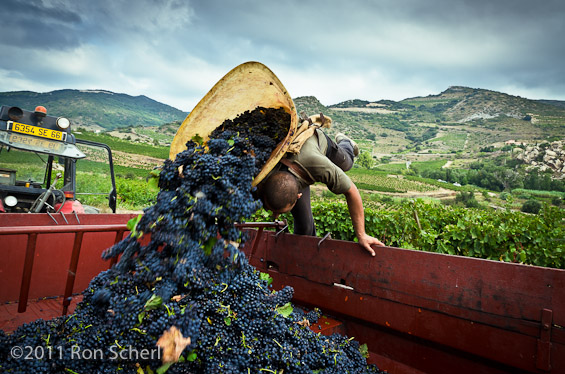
(418, 312)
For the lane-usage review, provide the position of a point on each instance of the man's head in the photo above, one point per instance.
(279, 192)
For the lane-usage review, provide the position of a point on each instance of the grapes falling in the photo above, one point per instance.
(183, 298)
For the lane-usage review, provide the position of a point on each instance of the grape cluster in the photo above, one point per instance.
(181, 266)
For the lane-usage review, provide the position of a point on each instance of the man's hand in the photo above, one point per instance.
(366, 241)
(355, 205)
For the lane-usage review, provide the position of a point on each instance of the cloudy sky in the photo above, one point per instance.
(174, 51)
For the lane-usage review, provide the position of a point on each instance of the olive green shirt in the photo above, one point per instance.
(312, 157)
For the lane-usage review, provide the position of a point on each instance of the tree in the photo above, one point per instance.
(365, 160)
(467, 199)
(508, 178)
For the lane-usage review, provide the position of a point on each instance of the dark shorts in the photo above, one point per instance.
(340, 154)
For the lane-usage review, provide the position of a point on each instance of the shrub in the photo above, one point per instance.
(387, 199)
(467, 199)
(485, 195)
(365, 160)
(328, 194)
(531, 206)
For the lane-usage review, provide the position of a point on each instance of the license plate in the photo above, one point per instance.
(28, 141)
(36, 131)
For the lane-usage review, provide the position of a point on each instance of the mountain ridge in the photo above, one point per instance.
(97, 109)
(459, 119)
(481, 117)
(459, 95)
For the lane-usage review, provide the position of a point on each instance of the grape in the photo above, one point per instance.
(191, 276)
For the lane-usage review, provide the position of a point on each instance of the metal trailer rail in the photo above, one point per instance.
(29, 241)
(418, 312)
(32, 232)
(45, 243)
(422, 312)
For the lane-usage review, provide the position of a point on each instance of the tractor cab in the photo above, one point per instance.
(38, 163)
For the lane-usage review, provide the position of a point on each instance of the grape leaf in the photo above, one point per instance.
(285, 310)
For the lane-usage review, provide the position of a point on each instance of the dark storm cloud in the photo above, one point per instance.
(509, 41)
(321, 25)
(175, 50)
(31, 24)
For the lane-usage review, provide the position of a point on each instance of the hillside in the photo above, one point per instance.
(97, 109)
(463, 104)
(460, 119)
(452, 136)
(457, 120)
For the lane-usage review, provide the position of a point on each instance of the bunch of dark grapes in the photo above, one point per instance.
(263, 127)
(181, 267)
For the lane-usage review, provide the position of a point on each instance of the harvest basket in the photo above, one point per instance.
(246, 87)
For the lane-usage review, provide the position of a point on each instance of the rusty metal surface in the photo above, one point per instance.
(46, 309)
(490, 311)
(46, 269)
(24, 230)
(42, 219)
(71, 273)
(27, 271)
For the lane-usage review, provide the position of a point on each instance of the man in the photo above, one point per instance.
(320, 159)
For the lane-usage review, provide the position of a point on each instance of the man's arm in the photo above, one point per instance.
(355, 206)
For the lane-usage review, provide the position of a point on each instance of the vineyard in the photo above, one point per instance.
(383, 182)
(454, 141)
(133, 194)
(503, 235)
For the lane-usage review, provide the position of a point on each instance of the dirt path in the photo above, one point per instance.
(440, 193)
(447, 164)
(139, 161)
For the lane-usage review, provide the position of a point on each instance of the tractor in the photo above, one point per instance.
(38, 163)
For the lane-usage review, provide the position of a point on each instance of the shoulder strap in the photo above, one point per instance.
(307, 129)
(298, 170)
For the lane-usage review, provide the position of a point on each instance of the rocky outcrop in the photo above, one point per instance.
(544, 157)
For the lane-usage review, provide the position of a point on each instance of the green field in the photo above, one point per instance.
(163, 137)
(428, 165)
(539, 193)
(379, 181)
(454, 141)
(126, 146)
(425, 101)
(398, 168)
(133, 194)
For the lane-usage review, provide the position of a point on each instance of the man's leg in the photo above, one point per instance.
(302, 214)
(342, 153)
(345, 152)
